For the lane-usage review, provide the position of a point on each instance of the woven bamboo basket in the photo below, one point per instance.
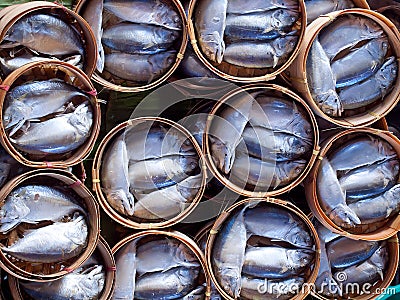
(102, 251)
(273, 90)
(241, 74)
(379, 287)
(97, 165)
(311, 273)
(297, 74)
(65, 14)
(372, 232)
(149, 235)
(111, 82)
(48, 271)
(45, 71)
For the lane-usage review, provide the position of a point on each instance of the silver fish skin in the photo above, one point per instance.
(36, 99)
(281, 225)
(74, 286)
(369, 271)
(322, 82)
(347, 31)
(161, 172)
(331, 197)
(226, 130)
(368, 57)
(360, 152)
(378, 208)
(210, 22)
(197, 294)
(191, 66)
(279, 20)
(265, 174)
(148, 142)
(281, 116)
(53, 243)
(228, 254)
(370, 180)
(139, 67)
(93, 14)
(372, 89)
(243, 7)
(45, 34)
(58, 135)
(345, 252)
(263, 289)
(138, 39)
(125, 276)
(35, 203)
(171, 284)
(115, 178)
(153, 12)
(170, 253)
(316, 8)
(260, 55)
(168, 202)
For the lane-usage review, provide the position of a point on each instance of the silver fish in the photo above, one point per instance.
(45, 34)
(265, 174)
(226, 130)
(275, 262)
(191, 66)
(266, 289)
(53, 243)
(229, 251)
(378, 208)
(161, 172)
(316, 8)
(36, 99)
(281, 225)
(87, 284)
(261, 55)
(138, 39)
(210, 22)
(361, 151)
(331, 197)
(345, 252)
(368, 57)
(170, 253)
(321, 81)
(139, 68)
(369, 271)
(58, 135)
(346, 32)
(125, 275)
(372, 89)
(370, 180)
(35, 203)
(171, 284)
(93, 14)
(115, 178)
(154, 12)
(243, 7)
(196, 294)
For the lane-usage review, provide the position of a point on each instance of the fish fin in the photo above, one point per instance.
(18, 126)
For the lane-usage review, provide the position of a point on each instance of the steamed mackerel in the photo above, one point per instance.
(125, 276)
(255, 6)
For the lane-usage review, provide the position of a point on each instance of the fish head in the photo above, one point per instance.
(284, 45)
(78, 232)
(295, 145)
(14, 209)
(219, 152)
(16, 114)
(213, 46)
(293, 168)
(303, 257)
(230, 281)
(190, 164)
(163, 60)
(93, 280)
(284, 17)
(387, 74)
(300, 237)
(329, 103)
(380, 257)
(121, 202)
(166, 16)
(20, 32)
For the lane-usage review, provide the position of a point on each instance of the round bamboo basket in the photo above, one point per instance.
(16, 12)
(311, 273)
(377, 289)
(372, 232)
(241, 74)
(49, 271)
(111, 82)
(102, 251)
(45, 71)
(297, 74)
(97, 165)
(270, 90)
(149, 235)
